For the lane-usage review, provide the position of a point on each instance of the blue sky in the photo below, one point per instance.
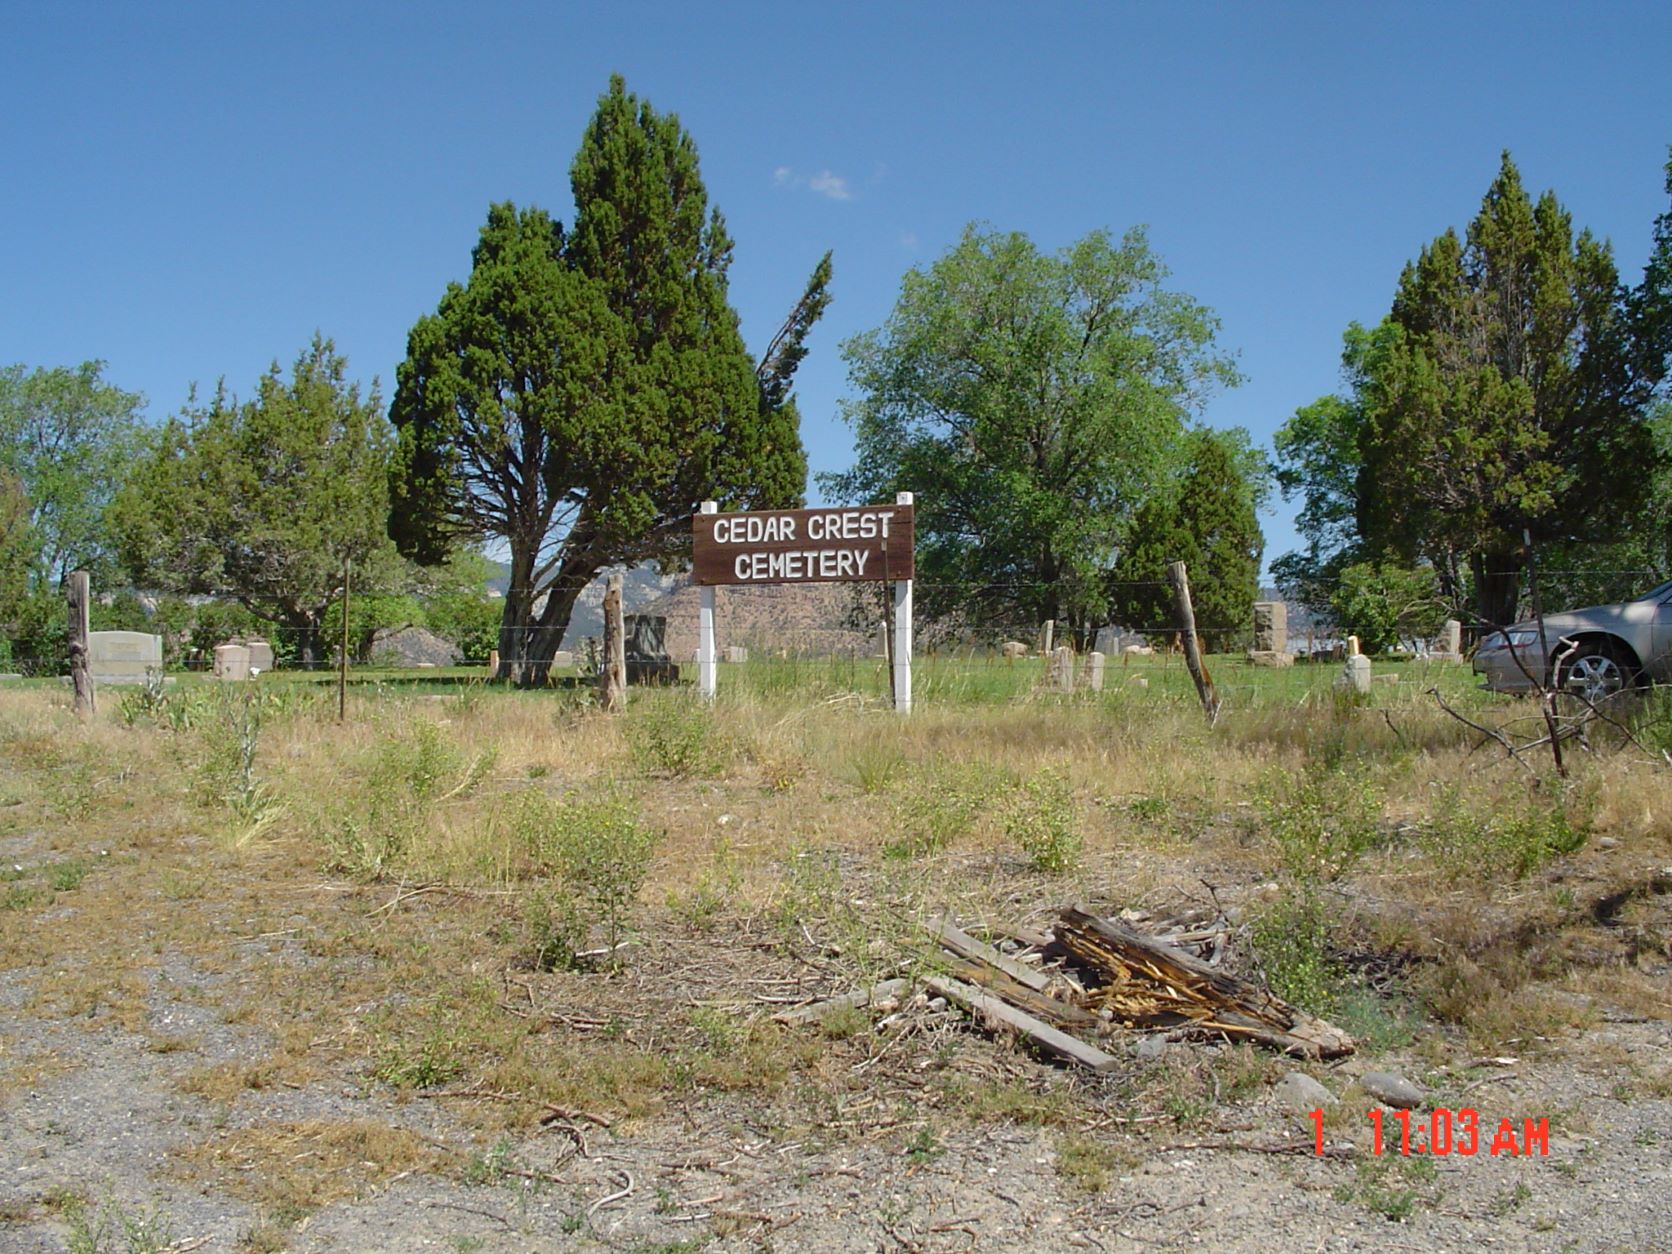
(191, 190)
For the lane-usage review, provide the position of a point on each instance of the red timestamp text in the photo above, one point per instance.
(1442, 1131)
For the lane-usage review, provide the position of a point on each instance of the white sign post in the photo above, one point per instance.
(706, 683)
(902, 633)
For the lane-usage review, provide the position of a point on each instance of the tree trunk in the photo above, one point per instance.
(1497, 586)
(528, 641)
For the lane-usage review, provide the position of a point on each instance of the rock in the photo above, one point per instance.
(412, 646)
(1138, 681)
(1607, 842)
(1270, 657)
(1013, 648)
(1355, 675)
(1392, 1090)
(1150, 1047)
(1300, 1092)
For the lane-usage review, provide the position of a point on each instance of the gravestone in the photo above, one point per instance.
(647, 651)
(493, 661)
(1450, 642)
(1094, 671)
(1271, 627)
(1062, 669)
(1356, 673)
(563, 659)
(1107, 642)
(261, 655)
(736, 653)
(232, 661)
(1013, 649)
(123, 657)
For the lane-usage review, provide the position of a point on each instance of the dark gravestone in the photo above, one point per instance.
(647, 650)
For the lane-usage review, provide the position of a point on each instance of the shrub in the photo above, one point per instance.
(1320, 820)
(1041, 819)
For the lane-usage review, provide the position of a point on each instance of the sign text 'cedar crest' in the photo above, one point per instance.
(870, 542)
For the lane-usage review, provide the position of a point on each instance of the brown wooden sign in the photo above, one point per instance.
(870, 542)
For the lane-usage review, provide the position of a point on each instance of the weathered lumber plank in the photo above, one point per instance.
(994, 1010)
(859, 998)
(1059, 1013)
(964, 945)
(1151, 982)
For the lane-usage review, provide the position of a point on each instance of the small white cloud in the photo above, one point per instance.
(908, 241)
(832, 185)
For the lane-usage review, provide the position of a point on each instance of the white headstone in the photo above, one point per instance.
(232, 661)
(736, 653)
(1062, 669)
(563, 658)
(123, 657)
(1356, 673)
(261, 655)
(1094, 672)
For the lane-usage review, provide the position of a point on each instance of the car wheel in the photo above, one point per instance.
(1594, 673)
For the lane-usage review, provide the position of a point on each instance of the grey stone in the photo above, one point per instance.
(232, 662)
(1013, 648)
(1268, 657)
(1392, 1090)
(1355, 673)
(1062, 669)
(408, 646)
(1150, 1047)
(1299, 1091)
(1107, 642)
(123, 657)
(736, 653)
(1094, 672)
(1271, 627)
(563, 658)
(261, 655)
(1137, 681)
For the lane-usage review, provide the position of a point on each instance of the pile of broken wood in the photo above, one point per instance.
(1069, 991)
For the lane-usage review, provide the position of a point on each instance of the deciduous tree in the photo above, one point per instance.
(1033, 401)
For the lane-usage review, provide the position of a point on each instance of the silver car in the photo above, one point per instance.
(1597, 651)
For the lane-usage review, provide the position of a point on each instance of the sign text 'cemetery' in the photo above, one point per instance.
(872, 542)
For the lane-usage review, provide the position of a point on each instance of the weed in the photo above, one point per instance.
(108, 1226)
(672, 735)
(1292, 941)
(1391, 1188)
(1041, 819)
(876, 765)
(1508, 840)
(939, 806)
(1511, 1199)
(716, 886)
(1086, 1162)
(923, 1146)
(1320, 820)
(64, 877)
(553, 929)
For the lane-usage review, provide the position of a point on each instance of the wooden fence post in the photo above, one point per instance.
(612, 678)
(1186, 616)
(79, 594)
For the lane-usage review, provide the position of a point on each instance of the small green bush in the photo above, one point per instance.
(672, 735)
(1321, 820)
(1292, 942)
(1041, 819)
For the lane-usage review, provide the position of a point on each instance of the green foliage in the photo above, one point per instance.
(263, 501)
(939, 805)
(597, 846)
(554, 929)
(1383, 603)
(1033, 401)
(1512, 378)
(1489, 843)
(66, 437)
(1321, 820)
(583, 391)
(1040, 818)
(673, 735)
(1209, 520)
(1292, 942)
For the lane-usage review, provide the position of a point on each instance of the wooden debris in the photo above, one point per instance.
(995, 1010)
(1151, 984)
(859, 998)
(966, 946)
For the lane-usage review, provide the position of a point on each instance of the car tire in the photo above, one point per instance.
(1595, 673)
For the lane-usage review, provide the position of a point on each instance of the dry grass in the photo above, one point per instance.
(362, 901)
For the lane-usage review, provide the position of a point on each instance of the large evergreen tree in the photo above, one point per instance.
(1033, 402)
(1208, 520)
(585, 390)
(1506, 394)
(263, 501)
